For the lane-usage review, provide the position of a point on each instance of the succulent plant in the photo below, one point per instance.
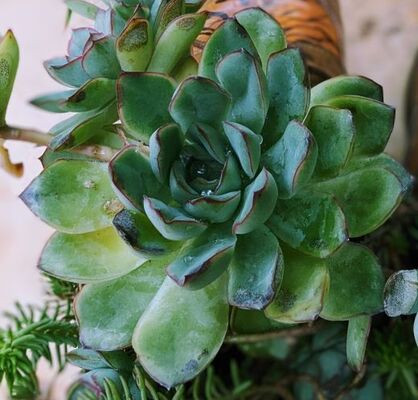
(233, 186)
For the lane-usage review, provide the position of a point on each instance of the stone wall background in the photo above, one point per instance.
(381, 38)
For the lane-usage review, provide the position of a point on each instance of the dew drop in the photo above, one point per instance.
(187, 259)
(206, 193)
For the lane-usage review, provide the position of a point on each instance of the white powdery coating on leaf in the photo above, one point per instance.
(401, 293)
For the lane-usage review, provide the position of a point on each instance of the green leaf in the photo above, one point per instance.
(401, 293)
(78, 41)
(9, 61)
(311, 222)
(81, 127)
(185, 69)
(175, 42)
(266, 34)
(191, 327)
(357, 335)
(73, 196)
(108, 312)
(256, 270)
(165, 145)
(287, 82)
(53, 102)
(199, 100)
(87, 359)
(204, 259)
(135, 45)
(93, 95)
(252, 322)
(143, 102)
(171, 222)
(162, 12)
(373, 122)
(345, 85)
(258, 203)
(292, 159)
(363, 295)
(229, 37)
(334, 133)
(181, 191)
(100, 58)
(246, 145)
(301, 294)
(215, 208)
(69, 73)
(133, 178)
(137, 230)
(367, 196)
(83, 8)
(230, 179)
(101, 256)
(212, 139)
(241, 75)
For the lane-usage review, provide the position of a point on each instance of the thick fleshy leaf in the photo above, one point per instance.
(133, 178)
(162, 12)
(241, 75)
(191, 327)
(258, 203)
(357, 335)
(143, 102)
(401, 293)
(229, 37)
(214, 208)
(9, 61)
(165, 145)
(287, 82)
(266, 34)
(68, 73)
(134, 46)
(185, 69)
(301, 294)
(203, 259)
(199, 100)
(81, 127)
(73, 196)
(252, 321)
(343, 86)
(373, 123)
(87, 359)
(211, 139)
(292, 159)
(171, 222)
(180, 189)
(52, 102)
(136, 229)
(416, 329)
(83, 8)
(357, 265)
(256, 270)
(108, 312)
(78, 41)
(100, 58)
(230, 179)
(246, 145)
(174, 43)
(311, 222)
(334, 133)
(89, 257)
(94, 94)
(367, 196)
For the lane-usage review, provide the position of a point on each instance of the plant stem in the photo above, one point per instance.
(282, 333)
(25, 135)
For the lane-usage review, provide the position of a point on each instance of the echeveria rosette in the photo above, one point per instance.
(244, 191)
(126, 36)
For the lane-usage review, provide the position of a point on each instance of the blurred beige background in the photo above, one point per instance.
(381, 38)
